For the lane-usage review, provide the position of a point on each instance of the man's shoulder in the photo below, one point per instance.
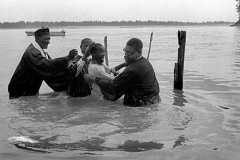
(32, 49)
(140, 66)
(143, 62)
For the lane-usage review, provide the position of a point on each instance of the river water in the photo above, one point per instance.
(200, 122)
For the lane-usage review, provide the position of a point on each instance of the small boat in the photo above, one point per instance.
(53, 33)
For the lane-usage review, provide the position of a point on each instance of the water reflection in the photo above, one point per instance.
(96, 144)
(179, 98)
(180, 141)
(92, 145)
(136, 146)
(61, 123)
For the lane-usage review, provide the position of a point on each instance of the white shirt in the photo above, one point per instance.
(100, 71)
(80, 65)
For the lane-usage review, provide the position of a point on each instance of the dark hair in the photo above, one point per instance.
(86, 41)
(97, 48)
(135, 43)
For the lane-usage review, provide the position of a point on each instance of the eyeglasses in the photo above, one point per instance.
(129, 52)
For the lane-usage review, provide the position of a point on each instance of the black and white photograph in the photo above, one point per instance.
(120, 80)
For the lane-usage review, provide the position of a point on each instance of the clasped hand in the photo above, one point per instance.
(72, 64)
(73, 53)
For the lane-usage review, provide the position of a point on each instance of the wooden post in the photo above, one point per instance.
(238, 10)
(106, 52)
(150, 44)
(179, 66)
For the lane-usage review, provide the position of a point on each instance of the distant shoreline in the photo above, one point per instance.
(38, 24)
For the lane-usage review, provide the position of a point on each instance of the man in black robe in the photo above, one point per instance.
(36, 65)
(137, 82)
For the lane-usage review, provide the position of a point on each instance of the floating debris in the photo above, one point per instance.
(21, 139)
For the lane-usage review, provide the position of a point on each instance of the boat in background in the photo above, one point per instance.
(53, 33)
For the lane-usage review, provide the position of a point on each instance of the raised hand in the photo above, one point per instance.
(88, 49)
(73, 53)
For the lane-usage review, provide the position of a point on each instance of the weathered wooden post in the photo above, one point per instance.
(179, 66)
(238, 10)
(151, 43)
(106, 52)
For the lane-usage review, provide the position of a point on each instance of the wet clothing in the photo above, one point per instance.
(78, 87)
(137, 83)
(101, 71)
(34, 67)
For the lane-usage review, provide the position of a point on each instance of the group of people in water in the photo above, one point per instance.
(79, 75)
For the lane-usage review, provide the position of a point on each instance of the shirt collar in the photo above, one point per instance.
(139, 57)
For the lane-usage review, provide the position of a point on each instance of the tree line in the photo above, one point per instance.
(37, 24)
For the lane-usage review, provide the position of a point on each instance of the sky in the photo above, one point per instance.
(118, 10)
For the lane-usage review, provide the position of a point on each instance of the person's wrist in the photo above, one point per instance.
(84, 58)
(113, 69)
(87, 54)
(68, 58)
(96, 79)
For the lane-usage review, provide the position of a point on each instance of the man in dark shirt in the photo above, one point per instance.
(137, 82)
(36, 65)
